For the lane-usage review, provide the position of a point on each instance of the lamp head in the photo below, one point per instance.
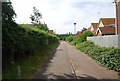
(74, 23)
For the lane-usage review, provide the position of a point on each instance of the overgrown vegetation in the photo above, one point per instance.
(70, 38)
(109, 57)
(20, 42)
(81, 38)
(30, 65)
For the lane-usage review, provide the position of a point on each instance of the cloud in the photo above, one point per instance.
(61, 14)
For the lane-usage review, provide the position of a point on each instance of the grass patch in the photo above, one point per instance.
(30, 65)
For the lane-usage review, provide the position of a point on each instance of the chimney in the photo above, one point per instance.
(117, 16)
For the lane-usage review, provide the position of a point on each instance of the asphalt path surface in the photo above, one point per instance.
(69, 63)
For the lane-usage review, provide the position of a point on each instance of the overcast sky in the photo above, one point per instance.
(60, 15)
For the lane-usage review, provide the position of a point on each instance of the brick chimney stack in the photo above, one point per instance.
(117, 16)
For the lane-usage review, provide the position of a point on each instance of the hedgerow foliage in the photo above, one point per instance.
(109, 57)
(70, 38)
(80, 38)
(83, 37)
(20, 42)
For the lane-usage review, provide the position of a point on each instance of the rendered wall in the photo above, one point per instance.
(106, 41)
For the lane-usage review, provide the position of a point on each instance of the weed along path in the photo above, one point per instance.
(69, 63)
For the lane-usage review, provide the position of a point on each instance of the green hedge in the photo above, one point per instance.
(20, 42)
(109, 57)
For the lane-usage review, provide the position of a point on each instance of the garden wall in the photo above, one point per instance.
(106, 41)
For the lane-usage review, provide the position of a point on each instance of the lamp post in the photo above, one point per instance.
(74, 28)
(5, 0)
(116, 21)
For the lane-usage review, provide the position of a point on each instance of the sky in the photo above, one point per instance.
(60, 15)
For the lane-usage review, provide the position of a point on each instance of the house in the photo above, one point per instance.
(51, 31)
(87, 30)
(83, 30)
(109, 27)
(93, 27)
(80, 32)
(117, 16)
(102, 31)
(105, 22)
(106, 26)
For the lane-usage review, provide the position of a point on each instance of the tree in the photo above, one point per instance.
(36, 17)
(8, 13)
(9, 31)
(36, 20)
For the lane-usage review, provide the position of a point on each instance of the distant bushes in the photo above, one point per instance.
(63, 36)
(109, 57)
(70, 38)
(81, 38)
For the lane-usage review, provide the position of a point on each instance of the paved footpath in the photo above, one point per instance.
(87, 68)
(69, 63)
(58, 66)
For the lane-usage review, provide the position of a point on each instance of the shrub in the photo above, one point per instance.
(79, 39)
(69, 39)
(109, 57)
(83, 37)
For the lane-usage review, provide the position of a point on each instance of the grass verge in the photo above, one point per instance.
(30, 65)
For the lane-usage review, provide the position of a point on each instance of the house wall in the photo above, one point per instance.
(92, 29)
(106, 41)
(101, 24)
(99, 34)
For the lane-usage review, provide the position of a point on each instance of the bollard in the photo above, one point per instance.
(19, 72)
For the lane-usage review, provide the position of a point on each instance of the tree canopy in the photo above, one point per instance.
(36, 20)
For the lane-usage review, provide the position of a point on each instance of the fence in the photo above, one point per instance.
(106, 41)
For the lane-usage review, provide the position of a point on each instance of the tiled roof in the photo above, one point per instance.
(51, 31)
(117, 0)
(94, 25)
(87, 29)
(107, 30)
(107, 21)
(83, 30)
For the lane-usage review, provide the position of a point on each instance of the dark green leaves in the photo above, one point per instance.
(109, 57)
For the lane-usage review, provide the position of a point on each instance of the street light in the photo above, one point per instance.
(116, 21)
(5, 0)
(74, 28)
